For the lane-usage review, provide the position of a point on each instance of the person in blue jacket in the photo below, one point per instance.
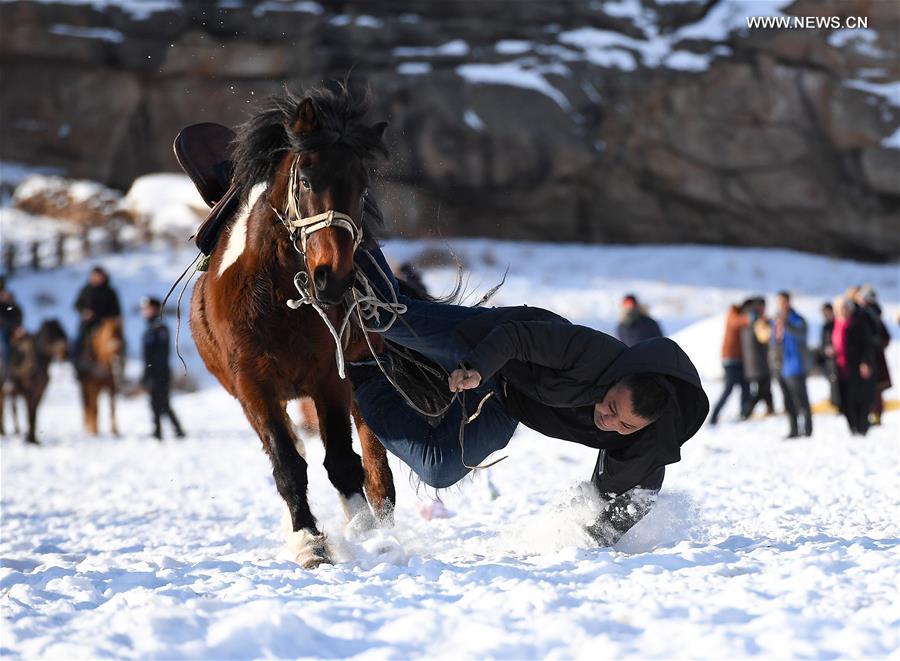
(790, 360)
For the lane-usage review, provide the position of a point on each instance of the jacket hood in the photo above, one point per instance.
(688, 404)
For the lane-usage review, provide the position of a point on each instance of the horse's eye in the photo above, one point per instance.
(305, 183)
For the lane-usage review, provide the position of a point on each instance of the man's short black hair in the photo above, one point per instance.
(785, 294)
(649, 394)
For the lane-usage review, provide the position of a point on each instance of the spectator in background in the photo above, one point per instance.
(10, 320)
(881, 339)
(790, 363)
(825, 354)
(96, 302)
(755, 350)
(854, 352)
(157, 378)
(635, 325)
(733, 361)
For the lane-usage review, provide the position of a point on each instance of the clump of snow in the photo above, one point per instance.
(85, 203)
(890, 92)
(514, 74)
(605, 47)
(454, 48)
(303, 6)
(414, 68)
(862, 40)
(473, 120)
(608, 48)
(727, 17)
(513, 46)
(168, 203)
(893, 140)
(103, 34)
(362, 21)
(137, 9)
(687, 61)
(365, 21)
(76, 190)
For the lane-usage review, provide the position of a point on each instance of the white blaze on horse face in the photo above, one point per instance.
(237, 236)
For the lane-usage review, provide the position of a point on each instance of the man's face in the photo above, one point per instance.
(149, 311)
(96, 279)
(615, 413)
(784, 304)
(828, 313)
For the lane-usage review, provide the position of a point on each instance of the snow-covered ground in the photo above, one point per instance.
(758, 546)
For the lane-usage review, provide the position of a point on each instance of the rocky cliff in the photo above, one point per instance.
(619, 121)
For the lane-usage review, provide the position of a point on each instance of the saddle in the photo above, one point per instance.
(202, 152)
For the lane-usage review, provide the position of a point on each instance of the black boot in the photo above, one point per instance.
(179, 432)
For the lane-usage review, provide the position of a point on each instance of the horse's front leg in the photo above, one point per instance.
(112, 409)
(89, 397)
(343, 465)
(270, 421)
(14, 411)
(379, 481)
(32, 401)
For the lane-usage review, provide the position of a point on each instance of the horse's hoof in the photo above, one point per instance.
(357, 515)
(385, 518)
(308, 550)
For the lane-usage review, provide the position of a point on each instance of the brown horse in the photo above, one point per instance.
(302, 156)
(104, 372)
(29, 372)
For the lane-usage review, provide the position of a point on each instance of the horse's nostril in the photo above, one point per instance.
(320, 276)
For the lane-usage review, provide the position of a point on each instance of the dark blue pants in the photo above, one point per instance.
(734, 376)
(434, 454)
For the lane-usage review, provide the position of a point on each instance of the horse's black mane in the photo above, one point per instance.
(262, 140)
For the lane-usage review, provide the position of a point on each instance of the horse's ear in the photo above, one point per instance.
(378, 129)
(306, 121)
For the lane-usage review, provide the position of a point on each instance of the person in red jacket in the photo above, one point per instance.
(733, 361)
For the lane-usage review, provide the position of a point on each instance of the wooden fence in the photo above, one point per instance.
(66, 248)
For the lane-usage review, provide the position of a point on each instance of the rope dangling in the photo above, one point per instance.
(462, 431)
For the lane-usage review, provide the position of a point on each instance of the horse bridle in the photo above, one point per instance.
(301, 228)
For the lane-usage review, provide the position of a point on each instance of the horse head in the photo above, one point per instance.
(52, 340)
(319, 185)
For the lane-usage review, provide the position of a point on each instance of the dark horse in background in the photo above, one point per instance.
(29, 372)
(265, 353)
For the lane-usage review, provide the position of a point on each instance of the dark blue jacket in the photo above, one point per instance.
(638, 328)
(156, 351)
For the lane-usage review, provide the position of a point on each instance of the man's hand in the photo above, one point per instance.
(865, 371)
(464, 380)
